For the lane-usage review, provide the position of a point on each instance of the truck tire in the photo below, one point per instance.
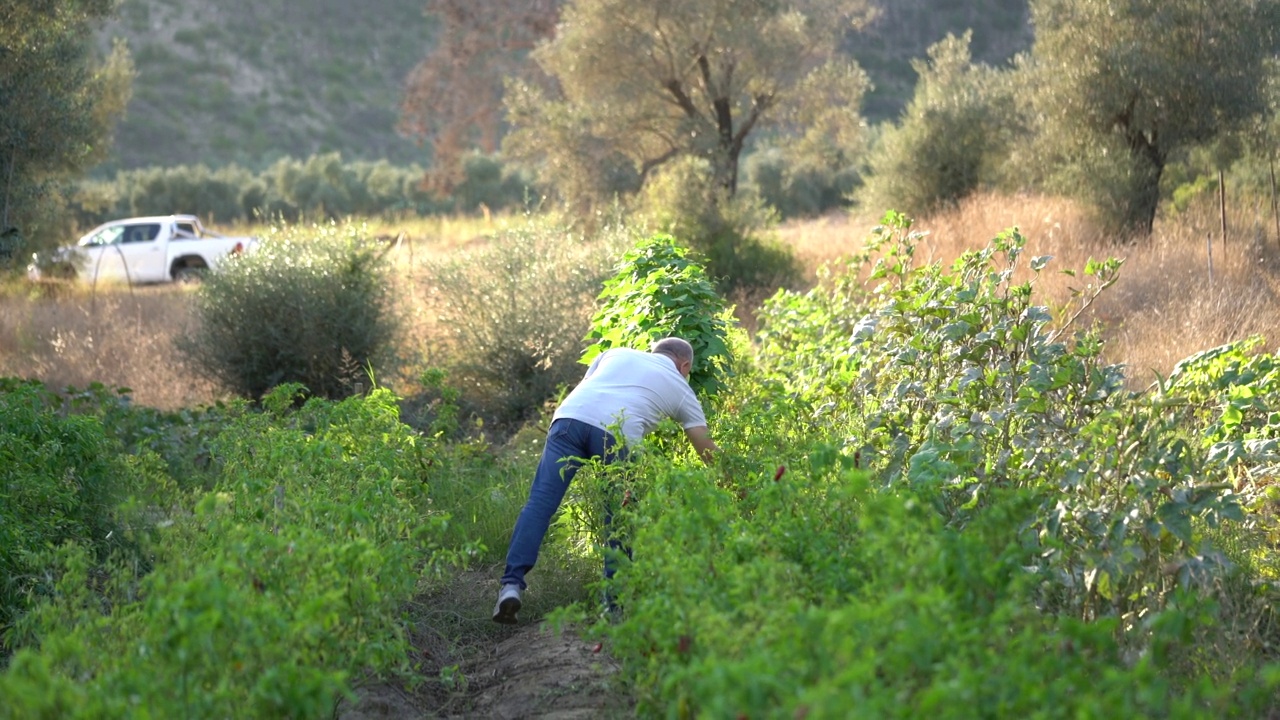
(188, 274)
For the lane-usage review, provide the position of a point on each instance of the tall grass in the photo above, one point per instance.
(1164, 308)
(71, 336)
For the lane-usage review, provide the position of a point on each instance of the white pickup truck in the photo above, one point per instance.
(142, 250)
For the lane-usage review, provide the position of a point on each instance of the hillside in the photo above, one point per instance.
(904, 29)
(249, 81)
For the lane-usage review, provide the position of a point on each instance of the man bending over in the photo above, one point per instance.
(623, 387)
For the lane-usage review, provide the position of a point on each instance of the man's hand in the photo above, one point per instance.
(700, 437)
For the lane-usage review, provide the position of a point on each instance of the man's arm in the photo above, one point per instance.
(700, 437)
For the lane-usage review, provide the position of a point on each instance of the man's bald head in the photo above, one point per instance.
(679, 350)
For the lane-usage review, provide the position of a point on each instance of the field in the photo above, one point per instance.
(935, 498)
(1164, 308)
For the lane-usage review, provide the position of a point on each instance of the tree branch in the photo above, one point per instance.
(760, 104)
(682, 98)
(648, 165)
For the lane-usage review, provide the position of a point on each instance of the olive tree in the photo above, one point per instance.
(952, 138)
(58, 103)
(636, 85)
(1120, 85)
(453, 98)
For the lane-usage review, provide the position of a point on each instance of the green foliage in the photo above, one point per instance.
(319, 187)
(1123, 88)
(269, 595)
(309, 305)
(731, 232)
(933, 496)
(621, 91)
(951, 138)
(969, 514)
(61, 479)
(789, 597)
(966, 390)
(488, 184)
(513, 313)
(658, 292)
(902, 32)
(60, 102)
(794, 188)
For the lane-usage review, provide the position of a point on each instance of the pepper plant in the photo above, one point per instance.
(659, 291)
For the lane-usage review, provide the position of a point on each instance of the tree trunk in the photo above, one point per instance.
(1145, 199)
(728, 173)
(1143, 205)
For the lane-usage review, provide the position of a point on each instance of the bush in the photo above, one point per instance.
(970, 516)
(950, 141)
(729, 232)
(270, 596)
(512, 315)
(659, 292)
(797, 189)
(60, 481)
(310, 305)
(486, 184)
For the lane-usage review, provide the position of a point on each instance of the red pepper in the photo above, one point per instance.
(782, 470)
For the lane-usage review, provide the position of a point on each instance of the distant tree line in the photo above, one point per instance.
(327, 187)
(316, 188)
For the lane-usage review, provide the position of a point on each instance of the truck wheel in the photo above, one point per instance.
(188, 275)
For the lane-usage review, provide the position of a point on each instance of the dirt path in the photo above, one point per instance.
(531, 674)
(535, 674)
(503, 673)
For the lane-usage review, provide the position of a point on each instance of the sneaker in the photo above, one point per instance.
(508, 604)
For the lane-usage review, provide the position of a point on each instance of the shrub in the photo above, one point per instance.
(954, 384)
(659, 292)
(797, 189)
(60, 481)
(729, 232)
(270, 596)
(512, 314)
(487, 184)
(970, 516)
(309, 305)
(950, 141)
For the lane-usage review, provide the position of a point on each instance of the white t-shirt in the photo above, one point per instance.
(637, 389)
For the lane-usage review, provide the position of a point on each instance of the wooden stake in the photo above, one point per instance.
(1208, 238)
(1275, 209)
(1222, 206)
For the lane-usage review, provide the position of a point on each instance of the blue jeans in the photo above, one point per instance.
(569, 442)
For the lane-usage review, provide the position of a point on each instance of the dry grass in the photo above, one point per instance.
(1164, 306)
(70, 336)
(1163, 309)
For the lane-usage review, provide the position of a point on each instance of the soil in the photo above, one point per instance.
(499, 672)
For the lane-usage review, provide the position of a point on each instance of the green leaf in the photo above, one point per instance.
(1175, 518)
